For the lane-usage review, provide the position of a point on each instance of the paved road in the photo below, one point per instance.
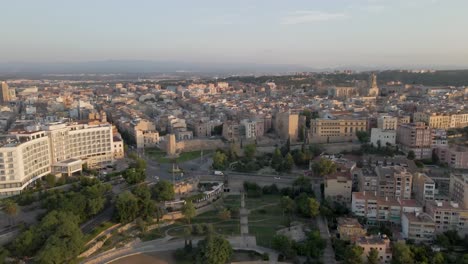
(164, 244)
(329, 253)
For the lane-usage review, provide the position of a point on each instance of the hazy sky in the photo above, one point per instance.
(318, 33)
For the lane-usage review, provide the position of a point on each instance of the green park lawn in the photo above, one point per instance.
(265, 218)
(160, 155)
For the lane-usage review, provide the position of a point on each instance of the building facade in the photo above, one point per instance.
(57, 148)
(416, 137)
(419, 227)
(335, 130)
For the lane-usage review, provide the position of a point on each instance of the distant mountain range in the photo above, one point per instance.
(149, 67)
(142, 66)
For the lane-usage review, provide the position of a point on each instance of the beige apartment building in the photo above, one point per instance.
(4, 93)
(57, 148)
(459, 120)
(387, 122)
(419, 227)
(335, 130)
(380, 243)
(416, 137)
(455, 156)
(338, 187)
(444, 121)
(287, 125)
(433, 120)
(448, 216)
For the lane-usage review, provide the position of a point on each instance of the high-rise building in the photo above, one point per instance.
(56, 148)
(4, 93)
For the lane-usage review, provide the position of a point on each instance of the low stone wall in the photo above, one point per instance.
(200, 144)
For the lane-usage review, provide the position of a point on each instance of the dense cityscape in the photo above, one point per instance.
(243, 132)
(111, 168)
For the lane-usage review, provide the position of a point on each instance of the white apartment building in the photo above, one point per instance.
(418, 227)
(379, 209)
(423, 187)
(380, 137)
(23, 159)
(56, 148)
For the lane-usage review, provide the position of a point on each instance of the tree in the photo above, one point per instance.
(287, 204)
(51, 180)
(64, 245)
(362, 136)
(353, 255)
(188, 211)
(308, 116)
(288, 162)
(10, 208)
(402, 254)
(127, 207)
(277, 160)
(224, 214)
(287, 147)
(250, 150)
(163, 191)
(324, 167)
(373, 257)
(313, 207)
(438, 258)
(283, 244)
(315, 149)
(220, 161)
(307, 206)
(214, 250)
(411, 155)
(133, 175)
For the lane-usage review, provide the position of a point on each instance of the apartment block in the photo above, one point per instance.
(448, 216)
(379, 209)
(419, 227)
(382, 138)
(231, 130)
(380, 243)
(338, 187)
(459, 189)
(416, 137)
(455, 156)
(394, 182)
(433, 120)
(459, 120)
(332, 130)
(387, 122)
(423, 188)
